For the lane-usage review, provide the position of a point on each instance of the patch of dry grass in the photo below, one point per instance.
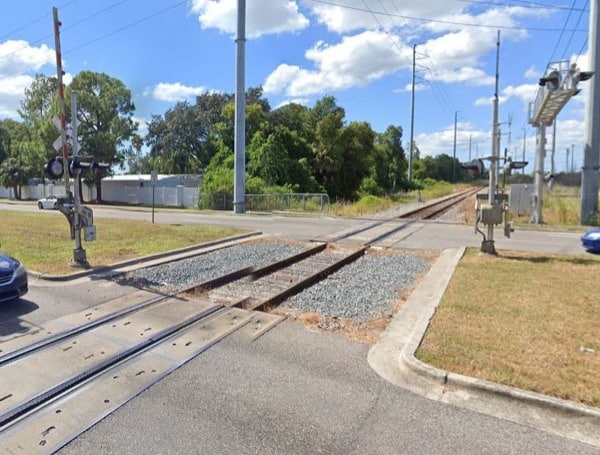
(524, 320)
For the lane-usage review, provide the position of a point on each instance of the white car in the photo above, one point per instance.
(51, 202)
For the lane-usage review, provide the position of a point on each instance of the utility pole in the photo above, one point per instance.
(591, 147)
(567, 166)
(412, 116)
(572, 157)
(553, 151)
(454, 153)
(524, 147)
(239, 187)
(470, 147)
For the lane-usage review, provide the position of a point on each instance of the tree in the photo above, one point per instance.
(357, 156)
(328, 121)
(176, 141)
(13, 170)
(39, 99)
(390, 165)
(38, 107)
(104, 112)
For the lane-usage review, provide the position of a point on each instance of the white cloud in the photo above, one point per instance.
(142, 125)
(263, 17)
(172, 92)
(301, 101)
(18, 60)
(438, 142)
(375, 14)
(355, 61)
(17, 57)
(533, 73)
(408, 88)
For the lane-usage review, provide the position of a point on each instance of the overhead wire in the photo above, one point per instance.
(562, 32)
(34, 21)
(87, 18)
(127, 26)
(440, 21)
(573, 33)
(522, 4)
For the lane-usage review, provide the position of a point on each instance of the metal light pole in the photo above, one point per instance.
(454, 149)
(239, 187)
(591, 147)
(412, 117)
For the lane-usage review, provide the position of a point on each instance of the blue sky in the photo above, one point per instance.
(359, 51)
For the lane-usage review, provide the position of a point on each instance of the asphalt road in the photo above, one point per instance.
(293, 391)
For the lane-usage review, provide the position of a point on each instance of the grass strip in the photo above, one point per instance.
(524, 320)
(42, 241)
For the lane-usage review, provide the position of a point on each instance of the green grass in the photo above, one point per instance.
(524, 320)
(42, 241)
(370, 204)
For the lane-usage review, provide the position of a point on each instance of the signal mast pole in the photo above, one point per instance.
(487, 245)
(61, 100)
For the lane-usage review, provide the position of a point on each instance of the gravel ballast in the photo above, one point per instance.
(365, 289)
(181, 274)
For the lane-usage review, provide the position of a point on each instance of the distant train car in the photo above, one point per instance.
(475, 167)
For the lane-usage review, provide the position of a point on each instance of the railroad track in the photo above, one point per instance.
(436, 208)
(60, 381)
(389, 231)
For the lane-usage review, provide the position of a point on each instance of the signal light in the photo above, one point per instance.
(55, 168)
(551, 81)
(510, 165)
(584, 75)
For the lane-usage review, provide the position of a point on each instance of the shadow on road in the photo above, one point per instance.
(11, 323)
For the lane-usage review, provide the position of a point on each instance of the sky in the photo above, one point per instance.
(362, 52)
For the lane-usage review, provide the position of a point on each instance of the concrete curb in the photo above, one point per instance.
(164, 257)
(394, 359)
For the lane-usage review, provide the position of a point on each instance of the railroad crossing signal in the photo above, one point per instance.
(56, 169)
(58, 143)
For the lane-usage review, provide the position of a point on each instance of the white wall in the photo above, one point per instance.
(125, 193)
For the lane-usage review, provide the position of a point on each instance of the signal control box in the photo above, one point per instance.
(491, 214)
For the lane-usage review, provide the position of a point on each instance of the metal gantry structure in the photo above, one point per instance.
(558, 85)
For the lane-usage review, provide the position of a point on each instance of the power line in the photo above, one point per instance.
(34, 21)
(439, 21)
(100, 38)
(522, 4)
(573, 33)
(562, 31)
(126, 27)
(91, 16)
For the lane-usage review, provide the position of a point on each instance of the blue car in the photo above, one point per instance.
(591, 240)
(13, 278)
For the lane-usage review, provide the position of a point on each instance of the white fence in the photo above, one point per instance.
(178, 196)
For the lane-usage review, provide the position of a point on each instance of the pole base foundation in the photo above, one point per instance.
(487, 247)
(80, 259)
